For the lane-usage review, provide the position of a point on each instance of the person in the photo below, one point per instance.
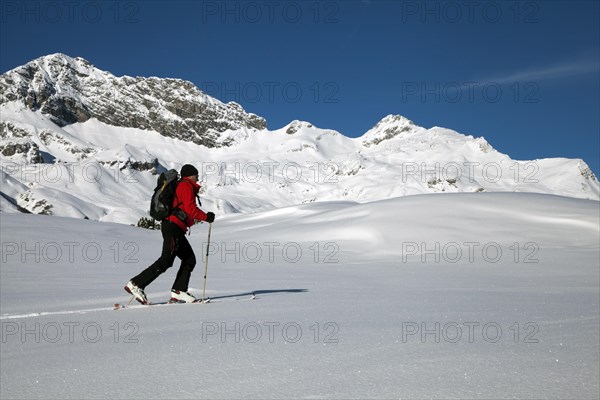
(175, 244)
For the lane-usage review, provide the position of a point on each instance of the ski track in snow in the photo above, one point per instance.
(44, 314)
(113, 308)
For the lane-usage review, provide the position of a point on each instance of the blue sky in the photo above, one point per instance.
(523, 74)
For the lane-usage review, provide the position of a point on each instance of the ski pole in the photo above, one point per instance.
(206, 261)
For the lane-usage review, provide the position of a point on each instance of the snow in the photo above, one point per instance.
(87, 171)
(354, 300)
(368, 285)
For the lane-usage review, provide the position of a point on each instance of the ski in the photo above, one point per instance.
(251, 296)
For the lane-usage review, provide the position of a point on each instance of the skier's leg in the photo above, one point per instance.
(188, 262)
(169, 250)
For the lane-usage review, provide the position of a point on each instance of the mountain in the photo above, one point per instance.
(79, 142)
(70, 90)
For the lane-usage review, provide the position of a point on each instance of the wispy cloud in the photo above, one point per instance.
(551, 72)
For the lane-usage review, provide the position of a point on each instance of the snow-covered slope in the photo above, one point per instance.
(487, 295)
(70, 151)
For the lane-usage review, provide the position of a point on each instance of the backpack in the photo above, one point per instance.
(161, 205)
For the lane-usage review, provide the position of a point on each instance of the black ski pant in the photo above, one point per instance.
(175, 244)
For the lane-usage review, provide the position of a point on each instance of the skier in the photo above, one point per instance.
(175, 244)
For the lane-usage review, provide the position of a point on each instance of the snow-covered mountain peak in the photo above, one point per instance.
(389, 127)
(70, 90)
(78, 64)
(394, 119)
(58, 70)
(308, 130)
(295, 126)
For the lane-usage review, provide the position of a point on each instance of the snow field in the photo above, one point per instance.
(362, 303)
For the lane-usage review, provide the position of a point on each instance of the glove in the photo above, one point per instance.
(210, 217)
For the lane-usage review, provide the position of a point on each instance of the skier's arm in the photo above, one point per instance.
(188, 204)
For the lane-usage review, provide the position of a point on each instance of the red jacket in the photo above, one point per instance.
(185, 199)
